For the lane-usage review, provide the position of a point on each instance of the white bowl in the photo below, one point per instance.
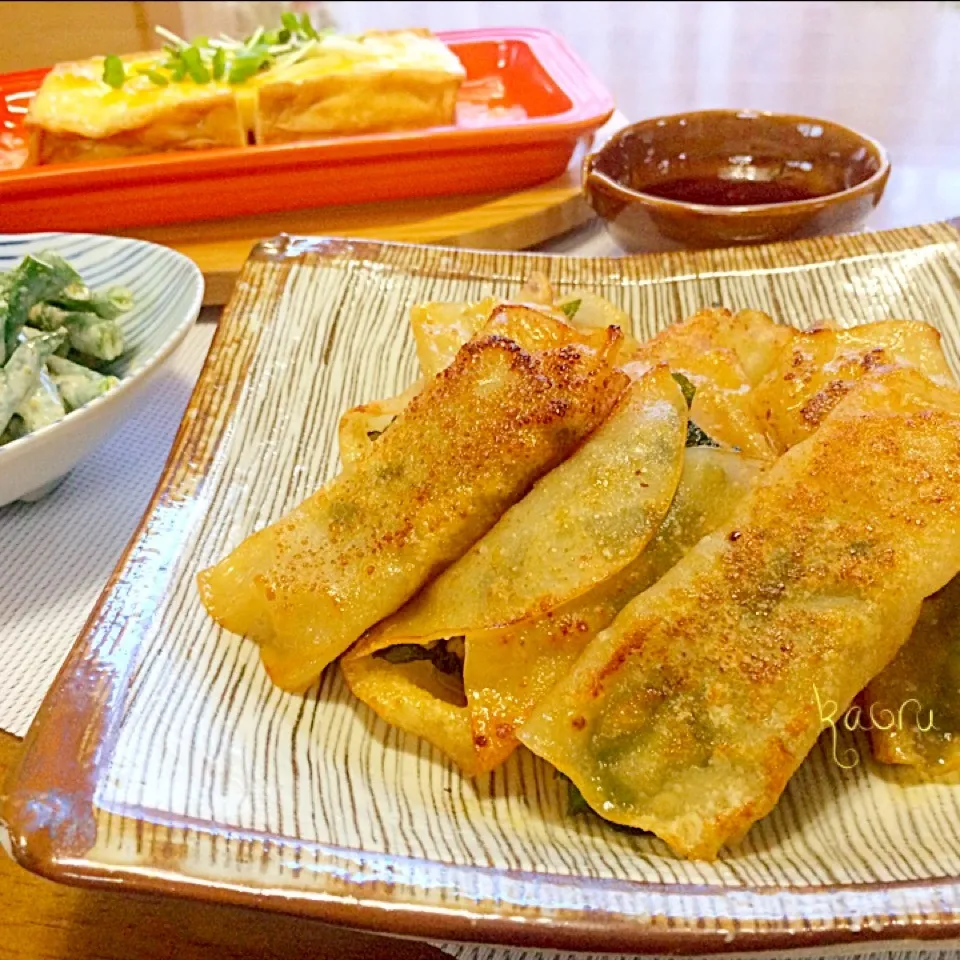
(167, 291)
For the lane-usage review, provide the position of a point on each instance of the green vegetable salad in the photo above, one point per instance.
(55, 332)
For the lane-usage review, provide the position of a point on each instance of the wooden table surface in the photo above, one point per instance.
(888, 68)
(40, 920)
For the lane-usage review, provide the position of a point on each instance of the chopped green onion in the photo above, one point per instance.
(153, 75)
(113, 72)
(307, 28)
(570, 308)
(225, 57)
(245, 65)
(686, 387)
(219, 63)
(195, 66)
(240, 72)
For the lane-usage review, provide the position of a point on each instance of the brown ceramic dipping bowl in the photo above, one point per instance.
(717, 178)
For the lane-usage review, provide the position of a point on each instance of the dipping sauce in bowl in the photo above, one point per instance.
(723, 177)
(717, 192)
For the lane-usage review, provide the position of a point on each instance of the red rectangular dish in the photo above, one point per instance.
(527, 102)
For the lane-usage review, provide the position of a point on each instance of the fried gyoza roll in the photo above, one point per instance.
(465, 449)
(690, 713)
(817, 368)
(579, 525)
(706, 348)
(470, 696)
(440, 328)
(752, 336)
(807, 381)
(507, 672)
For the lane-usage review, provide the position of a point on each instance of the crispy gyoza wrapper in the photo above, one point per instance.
(702, 348)
(818, 368)
(584, 521)
(808, 380)
(755, 338)
(361, 426)
(461, 453)
(472, 710)
(440, 329)
(508, 671)
(689, 714)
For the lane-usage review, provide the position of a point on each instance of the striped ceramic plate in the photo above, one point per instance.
(167, 292)
(164, 758)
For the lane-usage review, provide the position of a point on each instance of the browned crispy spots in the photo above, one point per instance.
(699, 699)
(581, 524)
(463, 450)
(723, 355)
(817, 368)
(508, 670)
(586, 520)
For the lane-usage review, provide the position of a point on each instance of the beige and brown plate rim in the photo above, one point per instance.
(49, 812)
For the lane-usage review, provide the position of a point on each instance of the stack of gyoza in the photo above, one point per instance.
(636, 560)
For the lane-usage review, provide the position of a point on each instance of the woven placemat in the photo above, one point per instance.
(947, 951)
(57, 554)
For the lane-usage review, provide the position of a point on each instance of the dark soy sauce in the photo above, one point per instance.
(718, 192)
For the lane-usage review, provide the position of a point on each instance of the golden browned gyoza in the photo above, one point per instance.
(441, 328)
(714, 349)
(690, 713)
(808, 379)
(586, 520)
(815, 369)
(504, 413)
(506, 671)
(799, 377)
